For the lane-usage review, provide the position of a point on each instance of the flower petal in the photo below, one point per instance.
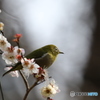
(13, 73)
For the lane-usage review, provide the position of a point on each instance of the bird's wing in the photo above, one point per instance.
(44, 61)
(36, 54)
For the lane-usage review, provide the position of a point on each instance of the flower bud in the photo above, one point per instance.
(1, 26)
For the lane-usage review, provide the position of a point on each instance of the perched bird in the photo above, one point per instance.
(43, 56)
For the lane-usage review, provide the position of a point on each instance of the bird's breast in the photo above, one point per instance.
(45, 61)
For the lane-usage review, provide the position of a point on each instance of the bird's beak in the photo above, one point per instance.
(61, 52)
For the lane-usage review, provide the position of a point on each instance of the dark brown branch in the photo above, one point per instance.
(48, 98)
(25, 80)
(1, 51)
(35, 84)
(2, 33)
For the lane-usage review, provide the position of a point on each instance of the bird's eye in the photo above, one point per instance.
(56, 49)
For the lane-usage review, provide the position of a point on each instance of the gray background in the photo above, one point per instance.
(72, 25)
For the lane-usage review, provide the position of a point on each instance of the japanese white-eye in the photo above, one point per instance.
(44, 57)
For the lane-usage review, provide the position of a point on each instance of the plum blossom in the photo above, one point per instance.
(31, 70)
(10, 55)
(19, 57)
(13, 73)
(4, 44)
(54, 85)
(42, 74)
(19, 51)
(26, 62)
(17, 37)
(10, 58)
(50, 90)
(1, 26)
(29, 66)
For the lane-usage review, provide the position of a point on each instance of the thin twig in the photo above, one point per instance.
(2, 33)
(18, 44)
(22, 75)
(48, 98)
(35, 84)
(25, 81)
(1, 90)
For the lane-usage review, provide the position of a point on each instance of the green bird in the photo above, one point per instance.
(44, 57)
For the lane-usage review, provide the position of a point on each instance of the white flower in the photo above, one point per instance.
(29, 67)
(19, 51)
(31, 70)
(4, 44)
(53, 84)
(11, 54)
(26, 72)
(26, 62)
(10, 58)
(43, 74)
(1, 26)
(34, 68)
(13, 73)
(50, 90)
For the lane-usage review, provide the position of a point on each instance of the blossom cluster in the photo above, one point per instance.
(50, 89)
(12, 55)
(29, 66)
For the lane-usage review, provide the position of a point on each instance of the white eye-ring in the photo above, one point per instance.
(56, 49)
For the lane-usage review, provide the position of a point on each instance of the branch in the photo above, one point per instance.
(2, 32)
(2, 96)
(25, 80)
(22, 75)
(35, 84)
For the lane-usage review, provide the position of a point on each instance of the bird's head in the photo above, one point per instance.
(53, 49)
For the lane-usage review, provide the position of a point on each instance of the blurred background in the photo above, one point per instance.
(72, 25)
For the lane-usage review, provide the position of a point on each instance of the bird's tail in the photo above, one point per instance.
(18, 66)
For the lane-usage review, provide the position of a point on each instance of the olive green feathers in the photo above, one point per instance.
(43, 56)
